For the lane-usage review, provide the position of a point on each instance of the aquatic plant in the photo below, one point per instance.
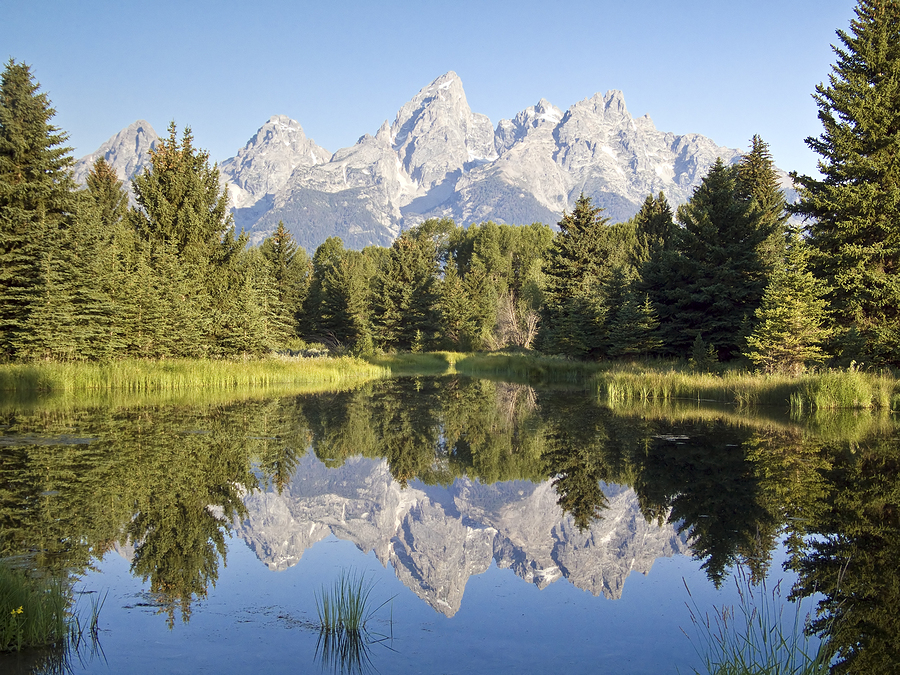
(345, 606)
(757, 637)
(344, 611)
(32, 609)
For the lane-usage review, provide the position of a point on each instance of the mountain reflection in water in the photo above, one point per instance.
(442, 476)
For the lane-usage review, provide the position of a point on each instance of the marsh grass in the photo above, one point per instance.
(528, 368)
(136, 375)
(828, 390)
(32, 609)
(344, 611)
(757, 637)
(345, 607)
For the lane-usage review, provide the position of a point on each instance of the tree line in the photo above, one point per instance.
(89, 274)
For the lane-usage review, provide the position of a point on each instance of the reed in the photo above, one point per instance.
(757, 637)
(136, 375)
(345, 606)
(829, 390)
(32, 609)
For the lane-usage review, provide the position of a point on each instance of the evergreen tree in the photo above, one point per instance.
(573, 313)
(758, 184)
(406, 299)
(106, 193)
(791, 319)
(713, 279)
(457, 320)
(37, 198)
(291, 269)
(654, 228)
(179, 198)
(635, 330)
(182, 218)
(854, 208)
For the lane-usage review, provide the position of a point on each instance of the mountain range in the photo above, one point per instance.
(439, 159)
(436, 537)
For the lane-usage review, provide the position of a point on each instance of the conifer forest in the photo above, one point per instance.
(735, 275)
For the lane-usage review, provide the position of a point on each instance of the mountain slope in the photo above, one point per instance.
(438, 158)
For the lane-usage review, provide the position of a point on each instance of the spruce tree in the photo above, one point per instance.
(654, 228)
(573, 313)
(107, 194)
(853, 210)
(791, 321)
(406, 299)
(291, 269)
(179, 198)
(758, 184)
(713, 278)
(37, 198)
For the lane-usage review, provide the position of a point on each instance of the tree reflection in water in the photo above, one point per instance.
(171, 478)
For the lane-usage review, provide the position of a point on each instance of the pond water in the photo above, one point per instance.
(505, 528)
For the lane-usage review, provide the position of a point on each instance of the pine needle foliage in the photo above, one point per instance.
(853, 210)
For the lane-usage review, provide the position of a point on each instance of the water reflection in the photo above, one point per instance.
(441, 476)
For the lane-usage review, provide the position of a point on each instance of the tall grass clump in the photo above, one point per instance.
(851, 388)
(758, 637)
(345, 607)
(32, 610)
(344, 611)
(143, 375)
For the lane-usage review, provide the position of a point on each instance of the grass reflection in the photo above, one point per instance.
(344, 612)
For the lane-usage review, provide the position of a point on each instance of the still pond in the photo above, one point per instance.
(502, 528)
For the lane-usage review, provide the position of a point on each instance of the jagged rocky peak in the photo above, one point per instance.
(264, 165)
(509, 132)
(128, 152)
(436, 133)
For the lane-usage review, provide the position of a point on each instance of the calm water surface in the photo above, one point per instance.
(507, 529)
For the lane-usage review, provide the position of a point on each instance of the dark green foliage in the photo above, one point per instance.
(713, 279)
(179, 199)
(107, 195)
(853, 210)
(757, 184)
(635, 329)
(36, 202)
(406, 297)
(338, 307)
(573, 313)
(791, 320)
(291, 270)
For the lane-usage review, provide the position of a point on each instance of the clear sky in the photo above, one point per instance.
(725, 69)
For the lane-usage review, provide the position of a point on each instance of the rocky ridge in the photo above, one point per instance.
(436, 538)
(438, 158)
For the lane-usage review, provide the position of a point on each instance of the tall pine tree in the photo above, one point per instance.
(37, 198)
(573, 313)
(853, 210)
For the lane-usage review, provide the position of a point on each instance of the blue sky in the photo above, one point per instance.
(726, 70)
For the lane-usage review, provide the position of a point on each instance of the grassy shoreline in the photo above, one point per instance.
(134, 375)
(615, 383)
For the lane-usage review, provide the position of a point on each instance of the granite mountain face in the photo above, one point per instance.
(440, 159)
(437, 537)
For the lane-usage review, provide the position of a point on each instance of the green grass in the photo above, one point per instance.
(758, 637)
(829, 390)
(344, 612)
(615, 383)
(345, 607)
(33, 611)
(136, 375)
